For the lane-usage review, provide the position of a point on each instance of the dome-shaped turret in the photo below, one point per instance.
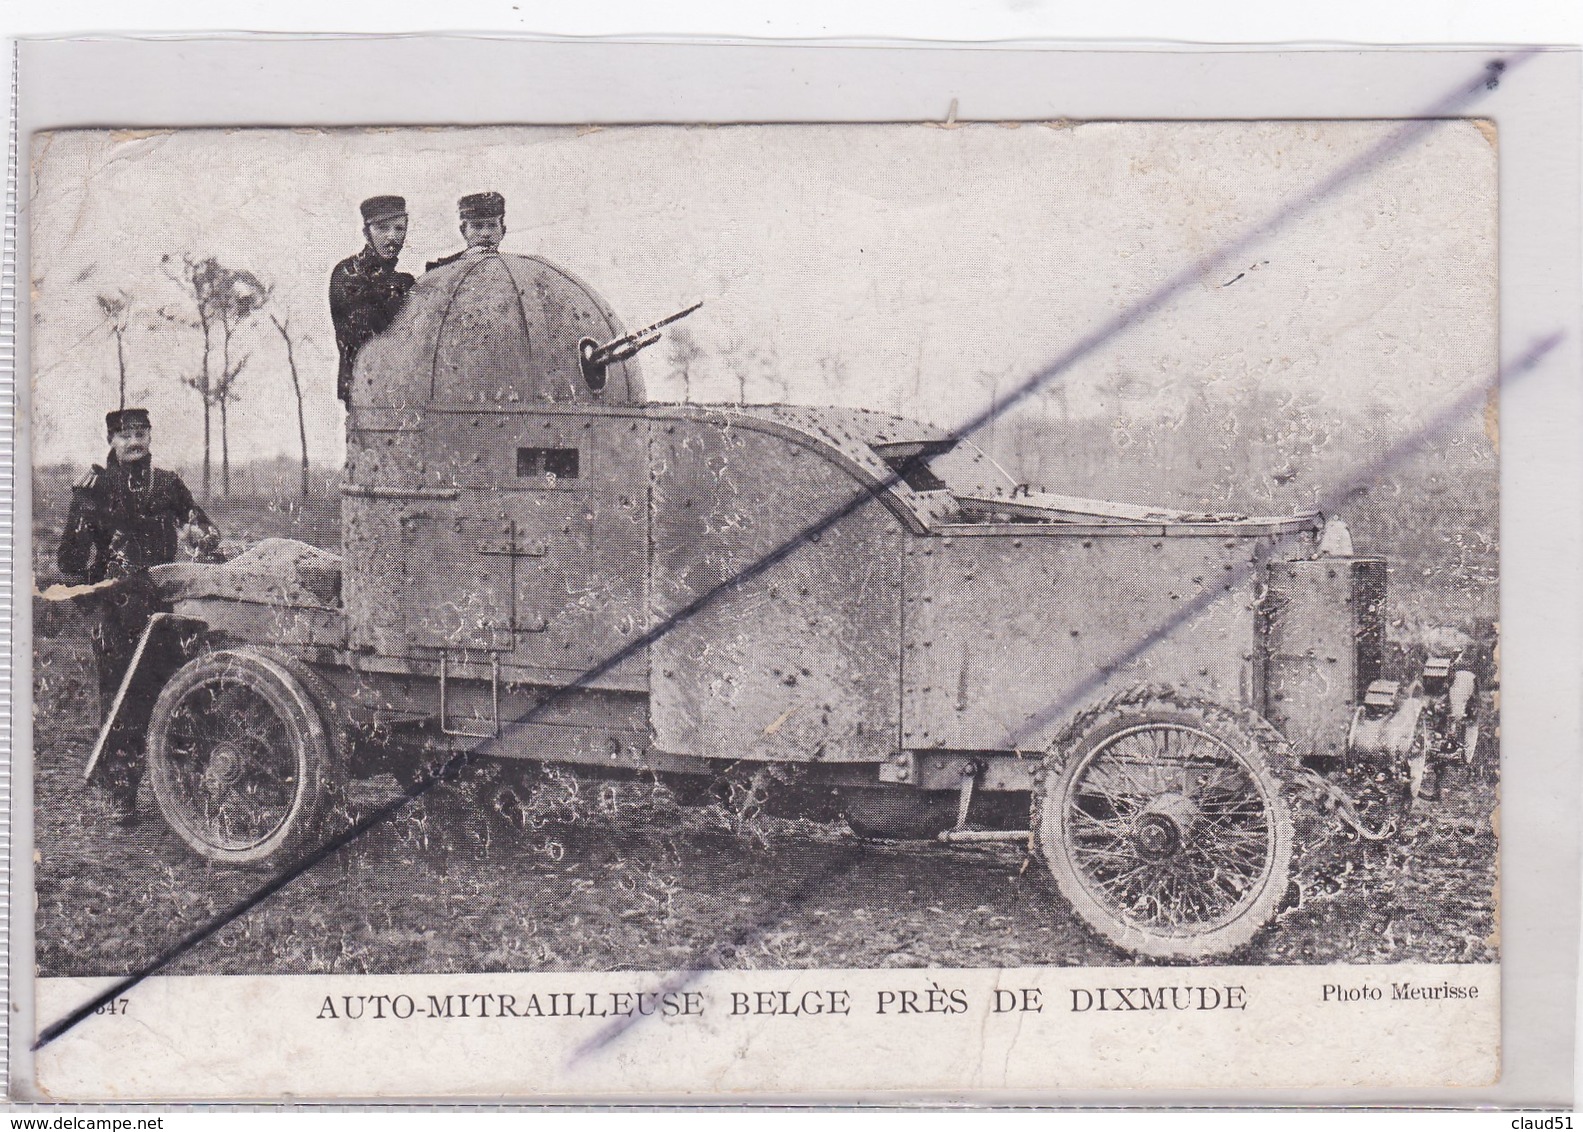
(492, 329)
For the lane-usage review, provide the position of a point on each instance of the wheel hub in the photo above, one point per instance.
(1160, 831)
(224, 769)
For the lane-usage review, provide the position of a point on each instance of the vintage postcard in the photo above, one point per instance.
(765, 610)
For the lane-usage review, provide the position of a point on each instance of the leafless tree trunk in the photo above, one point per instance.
(1058, 394)
(222, 395)
(223, 300)
(747, 361)
(117, 310)
(204, 390)
(296, 387)
(685, 353)
(120, 361)
(832, 372)
(225, 451)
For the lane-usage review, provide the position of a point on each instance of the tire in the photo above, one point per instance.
(242, 764)
(1165, 825)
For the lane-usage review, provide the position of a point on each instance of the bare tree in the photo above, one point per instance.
(750, 363)
(1056, 391)
(773, 372)
(685, 355)
(236, 296)
(187, 275)
(223, 300)
(833, 375)
(284, 327)
(117, 310)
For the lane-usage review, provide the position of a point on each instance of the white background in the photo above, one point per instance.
(1236, 21)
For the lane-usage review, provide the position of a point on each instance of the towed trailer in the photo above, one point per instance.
(860, 613)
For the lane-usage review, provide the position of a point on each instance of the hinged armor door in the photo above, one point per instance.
(456, 586)
(581, 506)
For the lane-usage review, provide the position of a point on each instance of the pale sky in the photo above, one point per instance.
(912, 269)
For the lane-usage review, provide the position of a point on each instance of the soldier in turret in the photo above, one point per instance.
(366, 290)
(126, 517)
(483, 217)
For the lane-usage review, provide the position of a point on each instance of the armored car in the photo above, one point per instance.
(856, 612)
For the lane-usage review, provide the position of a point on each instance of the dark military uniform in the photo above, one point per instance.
(366, 291)
(474, 206)
(124, 518)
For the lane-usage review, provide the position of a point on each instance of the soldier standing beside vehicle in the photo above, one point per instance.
(483, 217)
(366, 290)
(126, 517)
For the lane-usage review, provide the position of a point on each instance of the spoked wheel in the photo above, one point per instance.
(1163, 823)
(241, 762)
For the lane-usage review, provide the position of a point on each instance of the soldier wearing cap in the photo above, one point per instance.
(483, 217)
(126, 517)
(366, 290)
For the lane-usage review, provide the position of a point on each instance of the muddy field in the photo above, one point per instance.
(611, 878)
(617, 878)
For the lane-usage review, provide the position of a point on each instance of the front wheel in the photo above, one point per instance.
(240, 759)
(1163, 822)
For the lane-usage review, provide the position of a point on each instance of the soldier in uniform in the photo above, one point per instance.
(366, 290)
(483, 217)
(125, 517)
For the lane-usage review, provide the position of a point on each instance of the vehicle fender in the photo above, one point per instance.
(1460, 696)
(1386, 734)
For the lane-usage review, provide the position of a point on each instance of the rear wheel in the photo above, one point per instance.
(1163, 822)
(241, 762)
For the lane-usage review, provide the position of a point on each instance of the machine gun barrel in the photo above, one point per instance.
(598, 355)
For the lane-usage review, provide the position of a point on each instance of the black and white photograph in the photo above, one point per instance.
(690, 551)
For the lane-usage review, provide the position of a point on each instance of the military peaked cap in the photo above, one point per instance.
(481, 206)
(383, 208)
(117, 419)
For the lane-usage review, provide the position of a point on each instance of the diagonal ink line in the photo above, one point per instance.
(1080, 692)
(1392, 457)
(1393, 143)
(1461, 97)
(452, 766)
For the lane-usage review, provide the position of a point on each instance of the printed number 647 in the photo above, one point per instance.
(114, 1006)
